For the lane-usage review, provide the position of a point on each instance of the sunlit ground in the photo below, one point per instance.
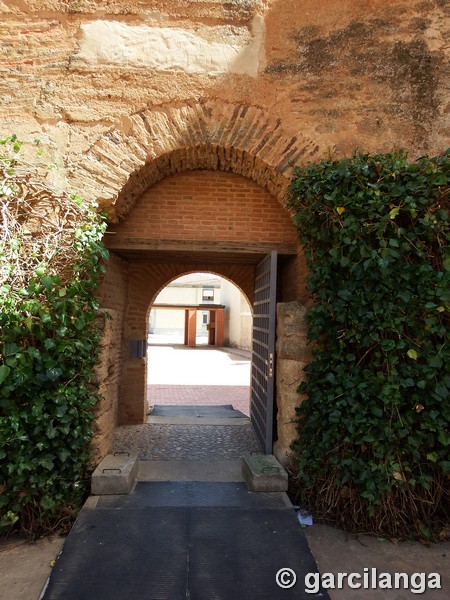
(198, 376)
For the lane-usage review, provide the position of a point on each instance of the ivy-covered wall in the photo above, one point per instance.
(373, 434)
(50, 262)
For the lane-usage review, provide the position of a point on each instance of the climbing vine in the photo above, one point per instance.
(50, 263)
(373, 430)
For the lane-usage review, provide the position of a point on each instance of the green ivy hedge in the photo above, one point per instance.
(373, 432)
(49, 345)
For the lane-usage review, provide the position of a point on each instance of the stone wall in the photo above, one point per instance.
(113, 295)
(293, 354)
(107, 377)
(124, 94)
(109, 87)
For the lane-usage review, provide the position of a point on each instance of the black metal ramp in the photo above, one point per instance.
(184, 494)
(223, 411)
(119, 555)
(197, 549)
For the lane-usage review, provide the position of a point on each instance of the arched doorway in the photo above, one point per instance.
(164, 237)
(201, 309)
(191, 207)
(199, 348)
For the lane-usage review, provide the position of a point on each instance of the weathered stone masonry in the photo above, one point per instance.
(133, 100)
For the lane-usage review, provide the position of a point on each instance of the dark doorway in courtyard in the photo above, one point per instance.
(199, 348)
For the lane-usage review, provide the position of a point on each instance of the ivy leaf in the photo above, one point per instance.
(11, 349)
(435, 362)
(54, 373)
(4, 372)
(446, 263)
(394, 212)
(64, 454)
(404, 295)
(412, 354)
(444, 438)
(47, 282)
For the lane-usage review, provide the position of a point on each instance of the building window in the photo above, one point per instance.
(208, 295)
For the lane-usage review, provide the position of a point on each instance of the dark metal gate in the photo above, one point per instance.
(263, 351)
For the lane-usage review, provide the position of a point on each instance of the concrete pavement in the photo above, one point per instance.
(199, 376)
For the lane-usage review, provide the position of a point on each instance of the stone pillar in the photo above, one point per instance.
(293, 354)
(106, 377)
(133, 407)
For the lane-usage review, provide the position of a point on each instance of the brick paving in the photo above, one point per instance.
(203, 376)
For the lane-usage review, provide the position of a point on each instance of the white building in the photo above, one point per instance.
(168, 315)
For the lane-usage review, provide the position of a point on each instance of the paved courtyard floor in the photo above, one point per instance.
(202, 376)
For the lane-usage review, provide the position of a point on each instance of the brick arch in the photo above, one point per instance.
(167, 139)
(143, 281)
(146, 280)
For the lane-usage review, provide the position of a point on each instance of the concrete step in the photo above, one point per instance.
(190, 470)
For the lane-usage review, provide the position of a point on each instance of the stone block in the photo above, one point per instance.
(291, 318)
(292, 332)
(263, 473)
(290, 372)
(116, 474)
(283, 453)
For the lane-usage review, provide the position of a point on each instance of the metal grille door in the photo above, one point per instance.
(263, 351)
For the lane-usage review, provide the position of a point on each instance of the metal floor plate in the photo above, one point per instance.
(224, 411)
(150, 494)
(131, 548)
(123, 555)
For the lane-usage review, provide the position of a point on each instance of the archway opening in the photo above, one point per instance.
(199, 348)
(192, 222)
